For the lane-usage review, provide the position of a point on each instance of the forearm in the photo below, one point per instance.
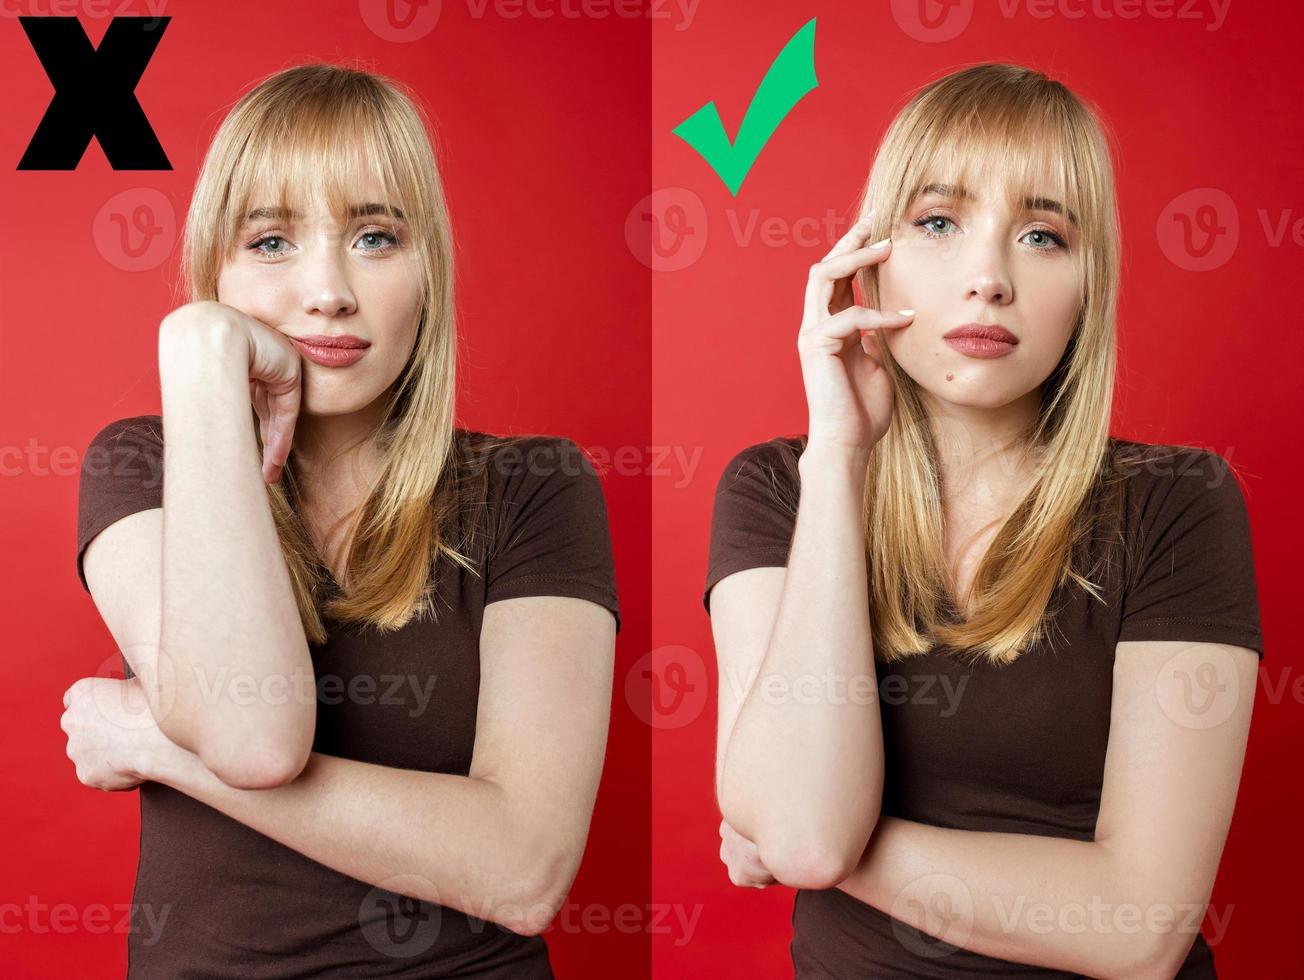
(1065, 904)
(235, 675)
(453, 840)
(802, 771)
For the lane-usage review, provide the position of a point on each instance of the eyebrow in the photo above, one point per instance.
(355, 211)
(964, 194)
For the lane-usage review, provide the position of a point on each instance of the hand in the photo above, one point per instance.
(275, 372)
(112, 737)
(276, 387)
(742, 859)
(849, 395)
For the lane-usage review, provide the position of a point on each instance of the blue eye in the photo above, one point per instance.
(927, 220)
(926, 223)
(258, 244)
(1059, 242)
(377, 242)
(390, 241)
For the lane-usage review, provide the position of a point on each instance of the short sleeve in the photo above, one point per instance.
(755, 511)
(1192, 576)
(121, 473)
(553, 536)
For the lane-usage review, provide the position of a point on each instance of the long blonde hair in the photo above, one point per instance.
(297, 130)
(1008, 123)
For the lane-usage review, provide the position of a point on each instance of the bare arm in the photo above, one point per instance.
(808, 716)
(503, 843)
(1127, 904)
(800, 753)
(229, 682)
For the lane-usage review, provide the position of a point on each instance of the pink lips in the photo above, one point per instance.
(981, 340)
(331, 351)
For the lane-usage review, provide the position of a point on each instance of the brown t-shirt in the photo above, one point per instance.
(215, 898)
(1019, 749)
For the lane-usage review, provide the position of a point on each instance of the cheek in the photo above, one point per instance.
(1057, 298)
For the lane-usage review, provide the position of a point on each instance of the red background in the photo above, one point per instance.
(1207, 358)
(544, 147)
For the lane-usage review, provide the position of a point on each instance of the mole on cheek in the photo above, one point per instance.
(950, 376)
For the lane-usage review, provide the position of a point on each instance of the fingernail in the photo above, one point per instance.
(880, 244)
(906, 312)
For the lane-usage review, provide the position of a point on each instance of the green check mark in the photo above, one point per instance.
(790, 77)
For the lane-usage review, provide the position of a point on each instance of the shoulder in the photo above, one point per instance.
(144, 429)
(1180, 501)
(122, 449)
(1160, 477)
(516, 462)
(772, 463)
(535, 480)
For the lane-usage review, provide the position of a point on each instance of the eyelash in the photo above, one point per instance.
(256, 245)
(922, 222)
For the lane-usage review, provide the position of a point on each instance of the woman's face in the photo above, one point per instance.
(959, 259)
(308, 275)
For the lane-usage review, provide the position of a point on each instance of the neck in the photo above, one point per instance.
(982, 451)
(335, 455)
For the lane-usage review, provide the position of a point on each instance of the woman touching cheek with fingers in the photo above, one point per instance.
(1004, 598)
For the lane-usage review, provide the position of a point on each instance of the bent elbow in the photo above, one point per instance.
(1160, 959)
(814, 857)
(539, 896)
(257, 766)
(249, 774)
(810, 864)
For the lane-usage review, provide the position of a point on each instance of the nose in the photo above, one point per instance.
(325, 282)
(989, 277)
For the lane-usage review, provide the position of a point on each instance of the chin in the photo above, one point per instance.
(324, 405)
(969, 390)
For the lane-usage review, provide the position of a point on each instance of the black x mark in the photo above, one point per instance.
(94, 93)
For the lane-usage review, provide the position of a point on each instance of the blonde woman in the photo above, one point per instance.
(986, 670)
(370, 651)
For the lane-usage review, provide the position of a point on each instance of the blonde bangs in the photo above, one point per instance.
(1008, 127)
(304, 139)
